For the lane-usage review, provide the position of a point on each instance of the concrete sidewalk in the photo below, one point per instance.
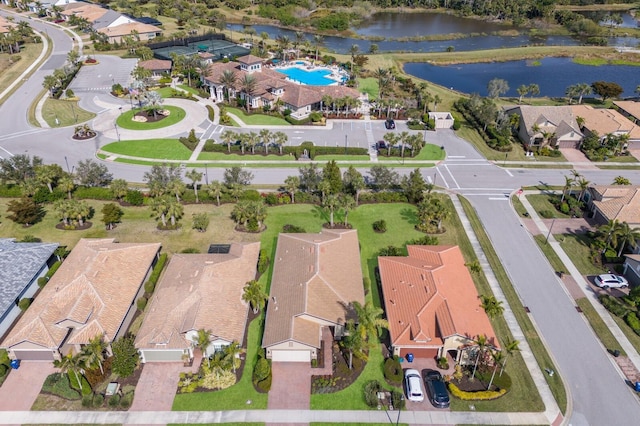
(269, 416)
(622, 339)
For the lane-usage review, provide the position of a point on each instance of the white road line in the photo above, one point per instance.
(504, 190)
(486, 194)
(10, 154)
(452, 178)
(499, 199)
(442, 177)
(508, 172)
(468, 164)
(456, 156)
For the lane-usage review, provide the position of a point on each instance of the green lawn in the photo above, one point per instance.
(542, 203)
(369, 85)
(68, 113)
(217, 156)
(517, 205)
(257, 119)
(430, 152)
(160, 149)
(125, 119)
(186, 88)
(237, 396)
(576, 246)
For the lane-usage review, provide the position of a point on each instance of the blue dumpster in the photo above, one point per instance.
(410, 357)
(15, 364)
(637, 387)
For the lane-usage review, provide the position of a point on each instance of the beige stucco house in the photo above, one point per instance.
(547, 125)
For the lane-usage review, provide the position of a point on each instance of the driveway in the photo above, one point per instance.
(290, 386)
(21, 388)
(157, 386)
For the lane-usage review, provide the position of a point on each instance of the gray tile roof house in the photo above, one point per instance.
(21, 264)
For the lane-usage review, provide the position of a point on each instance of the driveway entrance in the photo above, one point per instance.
(21, 388)
(157, 386)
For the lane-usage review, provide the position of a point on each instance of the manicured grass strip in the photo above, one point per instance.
(430, 152)
(160, 149)
(211, 424)
(537, 347)
(257, 119)
(542, 202)
(599, 327)
(551, 255)
(576, 246)
(517, 205)
(369, 85)
(125, 119)
(238, 395)
(392, 414)
(217, 156)
(188, 89)
(631, 335)
(29, 52)
(68, 113)
(631, 166)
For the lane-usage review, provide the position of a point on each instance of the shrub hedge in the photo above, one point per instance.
(393, 370)
(150, 285)
(134, 197)
(212, 113)
(58, 384)
(263, 261)
(475, 396)
(93, 193)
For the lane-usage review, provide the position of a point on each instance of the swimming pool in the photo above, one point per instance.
(312, 78)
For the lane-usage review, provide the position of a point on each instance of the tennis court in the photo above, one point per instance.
(218, 48)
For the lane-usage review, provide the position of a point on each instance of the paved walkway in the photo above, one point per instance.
(552, 412)
(583, 285)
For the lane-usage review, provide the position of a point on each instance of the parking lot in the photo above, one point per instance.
(102, 75)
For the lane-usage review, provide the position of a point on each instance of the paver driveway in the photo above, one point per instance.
(157, 386)
(22, 386)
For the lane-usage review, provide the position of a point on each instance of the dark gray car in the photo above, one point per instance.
(437, 389)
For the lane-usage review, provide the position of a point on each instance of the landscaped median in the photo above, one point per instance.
(126, 121)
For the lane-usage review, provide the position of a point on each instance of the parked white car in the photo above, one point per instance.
(610, 280)
(413, 385)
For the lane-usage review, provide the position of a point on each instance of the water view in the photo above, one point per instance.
(397, 25)
(553, 75)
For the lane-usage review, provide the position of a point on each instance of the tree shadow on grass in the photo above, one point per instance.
(410, 215)
(322, 214)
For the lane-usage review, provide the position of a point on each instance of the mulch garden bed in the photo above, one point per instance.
(342, 376)
(149, 116)
(63, 227)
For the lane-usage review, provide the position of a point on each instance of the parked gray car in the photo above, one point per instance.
(437, 389)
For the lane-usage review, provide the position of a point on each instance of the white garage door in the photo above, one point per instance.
(290, 356)
(162, 355)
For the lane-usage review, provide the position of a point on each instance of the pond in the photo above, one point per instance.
(343, 44)
(396, 25)
(552, 75)
(601, 17)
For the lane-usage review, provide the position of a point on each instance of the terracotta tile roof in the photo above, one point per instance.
(200, 291)
(127, 29)
(91, 293)
(314, 277)
(90, 12)
(430, 296)
(606, 121)
(294, 94)
(249, 59)
(630, 107)
(618, 202)
(5, 26)
(155, 64)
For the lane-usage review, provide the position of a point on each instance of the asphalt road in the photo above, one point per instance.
(600, 395)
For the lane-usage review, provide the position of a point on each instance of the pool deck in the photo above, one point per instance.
(334, 73)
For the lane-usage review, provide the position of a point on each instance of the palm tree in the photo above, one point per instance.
(299, 38)
(330, 203)
(229, 137)
(353, 51)
(584, 185)
(72, 363)
(498, 359)
(174, 210)
(93, 353)
(612, 230)
(160, 206)
(568, 184)
(291, 185)
(248, 85)
(265, 136)
(195, 177)
(352, 341)
(629, 235)
(119, 187)
(66, 184)
(280, 139)
(348, 203)
(621, 180)
(370, 321)
(177, 187)
(228, 80)
(492, 306)
(510, 347)
(522, 92)
(582, 90)
(254, 295)
(214, 189)
(481, 343)
(317, 42)
(48, 174)
(391, 139)
(217, 363)
(232, 354)
(82, 210)
(202, 341)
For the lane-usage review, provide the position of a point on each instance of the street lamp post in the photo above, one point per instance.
(346, 144)
(549, 233)
(115, 125)
(67, 163)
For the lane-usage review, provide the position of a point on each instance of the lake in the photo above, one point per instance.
(553, 75)
(397, 25)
